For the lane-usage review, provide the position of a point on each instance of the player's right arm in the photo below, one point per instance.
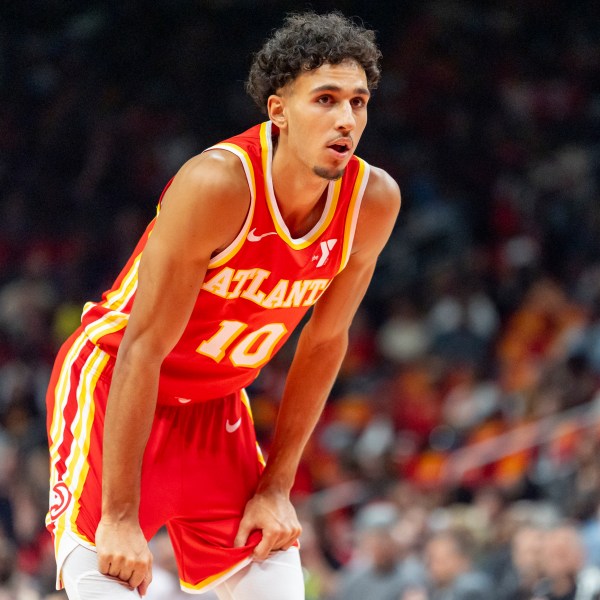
(202, 212)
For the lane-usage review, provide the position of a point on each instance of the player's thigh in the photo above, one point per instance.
(83, 581)
(277, 578)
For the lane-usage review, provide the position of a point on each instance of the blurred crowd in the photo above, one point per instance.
(459, 455)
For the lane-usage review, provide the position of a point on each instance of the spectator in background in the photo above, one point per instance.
(14, 585)
(462, 304)
(449, 558)
(320, 578)
(536, 335)
(378, 571)
(590, 533)
(525, 570)
(587, 341)
(563, 564)
(403, 336)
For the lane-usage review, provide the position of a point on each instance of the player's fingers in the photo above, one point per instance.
(288, 536)
(141, 568)
(242, 535)
(143, 587)
(125, 574)
(141, 577)
(104, 561)
(114, 567)
(268, 543)
(138, 575)
(294, 534)
(289, 544)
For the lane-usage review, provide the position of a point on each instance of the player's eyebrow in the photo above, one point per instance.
(329, 87)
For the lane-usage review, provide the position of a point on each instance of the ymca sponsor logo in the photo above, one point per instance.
(60, 498)
(326, 247)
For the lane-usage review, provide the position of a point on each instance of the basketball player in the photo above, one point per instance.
(148, 420)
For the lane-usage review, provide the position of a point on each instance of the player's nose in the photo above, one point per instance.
(345, 119)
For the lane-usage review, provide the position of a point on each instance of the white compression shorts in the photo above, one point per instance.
(277, 578)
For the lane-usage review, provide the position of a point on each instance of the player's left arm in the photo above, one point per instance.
(321, 348)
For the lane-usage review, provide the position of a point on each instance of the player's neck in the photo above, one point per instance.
(299, 192)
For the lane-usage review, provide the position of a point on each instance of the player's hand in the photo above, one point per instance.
(274, 515)
(123, 553)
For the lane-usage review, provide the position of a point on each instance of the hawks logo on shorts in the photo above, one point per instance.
(60, 498)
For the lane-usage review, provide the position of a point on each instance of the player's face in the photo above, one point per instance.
(325, 113)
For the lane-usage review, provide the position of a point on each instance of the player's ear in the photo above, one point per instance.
(276, 110)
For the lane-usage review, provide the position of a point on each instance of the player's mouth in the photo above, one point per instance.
(341, 147)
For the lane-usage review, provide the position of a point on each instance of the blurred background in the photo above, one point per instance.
(459, 454)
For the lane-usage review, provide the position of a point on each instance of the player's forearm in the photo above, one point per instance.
(129, 416)
(309, 381)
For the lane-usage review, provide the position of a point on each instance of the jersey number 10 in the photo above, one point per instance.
(251, 350)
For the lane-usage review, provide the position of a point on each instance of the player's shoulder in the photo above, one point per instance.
(216, 169)
(208, 186)
(378, 213)
(382, 193)
(216, 173)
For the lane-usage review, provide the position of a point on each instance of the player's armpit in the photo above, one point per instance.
(378, 213)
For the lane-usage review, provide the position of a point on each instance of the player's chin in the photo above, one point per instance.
(329, 173)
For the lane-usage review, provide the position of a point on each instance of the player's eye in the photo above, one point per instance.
(358, 102)
(324, 99)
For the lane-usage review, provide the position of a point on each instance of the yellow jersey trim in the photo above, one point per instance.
(76, 464)
(114, 320)
(353, 210)
(213, 579)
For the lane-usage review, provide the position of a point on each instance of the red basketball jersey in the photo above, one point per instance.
(255, 291)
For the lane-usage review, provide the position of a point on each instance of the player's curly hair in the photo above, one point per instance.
(305, 42)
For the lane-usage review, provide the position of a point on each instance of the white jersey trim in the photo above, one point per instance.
(237, 243)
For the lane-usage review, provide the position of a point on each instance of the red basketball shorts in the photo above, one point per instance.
(201, 466)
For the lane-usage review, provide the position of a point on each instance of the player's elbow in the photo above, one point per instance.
(325, 342)
(141, 351)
